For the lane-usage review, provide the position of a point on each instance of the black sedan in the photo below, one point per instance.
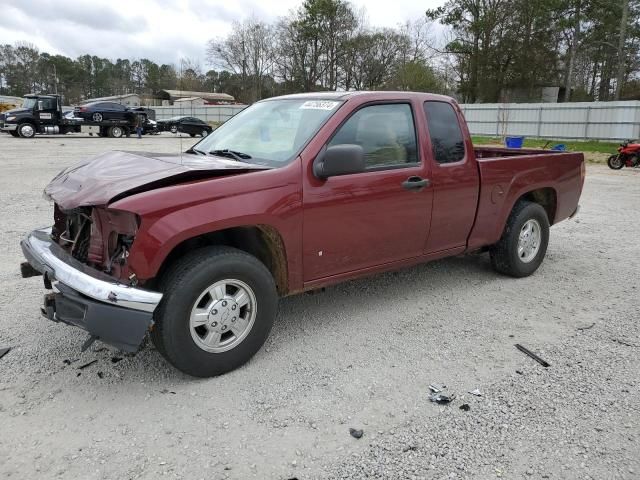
(191, 125)
(101, 111)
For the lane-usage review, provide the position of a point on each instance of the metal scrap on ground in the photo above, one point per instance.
(4, 351)
(532, 355)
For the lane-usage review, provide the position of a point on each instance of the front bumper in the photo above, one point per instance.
(87, 298)
(9, 127)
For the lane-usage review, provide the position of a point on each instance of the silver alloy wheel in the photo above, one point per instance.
(529, 240)
(27, 130)
(116, 132)
(223, 316)
(204, 133)
(97, 117)
(617, 161)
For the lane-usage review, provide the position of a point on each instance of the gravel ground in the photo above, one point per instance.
(360, 355)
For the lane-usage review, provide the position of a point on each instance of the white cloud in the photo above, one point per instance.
(161, 30)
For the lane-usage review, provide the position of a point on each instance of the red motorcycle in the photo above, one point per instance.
(628, 156)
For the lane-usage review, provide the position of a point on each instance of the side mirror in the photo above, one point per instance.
(339, 160)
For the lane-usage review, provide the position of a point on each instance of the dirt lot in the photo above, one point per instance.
(360, 355)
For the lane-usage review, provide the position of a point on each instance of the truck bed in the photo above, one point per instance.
(555, 178)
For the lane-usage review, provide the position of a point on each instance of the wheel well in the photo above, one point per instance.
(546, 197)
(261, 241)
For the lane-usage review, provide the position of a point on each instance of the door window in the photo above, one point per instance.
(386, 133)
(444, 131)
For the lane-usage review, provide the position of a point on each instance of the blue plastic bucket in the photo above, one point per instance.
(514, 142)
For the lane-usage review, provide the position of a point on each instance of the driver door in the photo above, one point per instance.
(363, 220)
(48, 111)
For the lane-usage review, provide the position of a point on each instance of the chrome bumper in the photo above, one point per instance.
(57, 265)
(9, 127)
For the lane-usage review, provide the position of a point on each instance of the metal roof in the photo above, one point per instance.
(204, 95)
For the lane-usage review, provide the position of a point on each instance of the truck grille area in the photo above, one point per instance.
(98, 237)
(72, 231)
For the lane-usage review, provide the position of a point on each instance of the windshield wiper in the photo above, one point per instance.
(225, 152)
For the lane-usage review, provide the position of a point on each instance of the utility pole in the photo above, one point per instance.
(572, 51)
(55, 79)
(621, 52)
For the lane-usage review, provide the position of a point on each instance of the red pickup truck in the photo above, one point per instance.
(292, 194)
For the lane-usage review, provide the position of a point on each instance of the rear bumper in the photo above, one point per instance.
(115, 313)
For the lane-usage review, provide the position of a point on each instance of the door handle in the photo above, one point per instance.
(415, 183)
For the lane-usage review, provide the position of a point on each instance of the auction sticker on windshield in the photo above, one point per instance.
(319, 105)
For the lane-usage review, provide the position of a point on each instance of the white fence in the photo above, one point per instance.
(580, 121)
(209, 113)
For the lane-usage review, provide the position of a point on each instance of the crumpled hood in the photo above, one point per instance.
(98, 180)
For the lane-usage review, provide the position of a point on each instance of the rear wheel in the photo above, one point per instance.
(27, 130)
(218, 308)
(523, 244)
(115, 132)
(615, 162)
(96, 117)
(192, 135)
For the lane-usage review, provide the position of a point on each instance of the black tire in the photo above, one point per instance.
(504, 254)
(116, 132)
(27, 130)
(192, 135)
(184, 282)
(14, 133)
(615, 162)
(97, 117)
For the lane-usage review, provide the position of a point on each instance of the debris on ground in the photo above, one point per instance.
(82, 367)
(100, 375)
(164, 390)
(69, 361)
(465, 407)
(587, 327)
(441, 398)
(4, 351)
(532, 355)
(621, 342)
(436, 387)
(115, 359)
(476, 392)
(356, 433)
(407, 448)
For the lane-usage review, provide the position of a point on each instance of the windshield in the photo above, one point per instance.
(270, 132)
(29, 103)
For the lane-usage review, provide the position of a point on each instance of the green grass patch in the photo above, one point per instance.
(572, 145)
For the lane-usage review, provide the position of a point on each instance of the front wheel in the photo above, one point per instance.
(218, 308)
(524, 242)
(204, 133)
(27, 130)
(615, 162)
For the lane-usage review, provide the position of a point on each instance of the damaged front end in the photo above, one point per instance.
(84, 259)
(98, 237)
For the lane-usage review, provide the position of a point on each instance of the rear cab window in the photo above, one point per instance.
(444, 130)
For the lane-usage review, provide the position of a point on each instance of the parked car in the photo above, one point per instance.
(191, 125)
(292, 194)
(101, 111)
